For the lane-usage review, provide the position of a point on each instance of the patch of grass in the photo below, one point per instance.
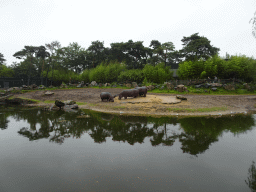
(92, 104)
(48, 101)
(81, 103)
(33, 100)
(198, 110)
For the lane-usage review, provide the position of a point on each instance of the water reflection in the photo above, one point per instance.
(251, 180)
(195, 135)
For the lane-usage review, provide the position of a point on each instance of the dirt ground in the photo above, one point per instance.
(154, 104)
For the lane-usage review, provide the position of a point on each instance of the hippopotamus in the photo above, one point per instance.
(142, 90)
(108, 96)
(129, 93)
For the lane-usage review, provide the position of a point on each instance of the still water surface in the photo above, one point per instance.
(90, 151)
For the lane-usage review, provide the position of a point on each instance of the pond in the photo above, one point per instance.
(91, 151)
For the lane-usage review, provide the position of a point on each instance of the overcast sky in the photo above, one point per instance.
(37, 22)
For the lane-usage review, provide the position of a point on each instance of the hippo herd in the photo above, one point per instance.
(137, 91)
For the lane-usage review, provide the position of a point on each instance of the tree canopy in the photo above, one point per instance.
(196, 47)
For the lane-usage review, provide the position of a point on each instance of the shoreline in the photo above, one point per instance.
(155, 104)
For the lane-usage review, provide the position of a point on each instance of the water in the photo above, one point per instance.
(57, 151)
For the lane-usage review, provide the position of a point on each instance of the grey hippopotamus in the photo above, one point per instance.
(108, 96)
(142, 90)
(129, 93)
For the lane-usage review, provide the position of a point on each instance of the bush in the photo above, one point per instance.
(133, 75)
(158, 74)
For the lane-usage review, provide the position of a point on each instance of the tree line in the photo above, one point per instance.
(133, 58)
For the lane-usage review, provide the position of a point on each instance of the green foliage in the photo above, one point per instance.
(98, 74)
(196, 47)
(135, 75)
(112, 71)
(62, 75)
(2, 59)
(158, 74)
(85, 76)
(6, 71)
(191, 69)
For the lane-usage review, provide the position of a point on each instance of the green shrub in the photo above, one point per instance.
(158, 74)
(134, 75)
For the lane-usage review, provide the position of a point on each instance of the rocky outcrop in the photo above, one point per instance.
(181, 88)
(128, 85)
(181, 97)
(69, 102)
(229, 87)
(48, 93)
(134, 84)
(94, 83)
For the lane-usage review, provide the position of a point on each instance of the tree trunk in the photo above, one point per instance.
(42, 73)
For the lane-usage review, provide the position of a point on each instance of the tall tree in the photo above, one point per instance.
(42, 53)
(156, 50)
(96, 53)
(53, 47)
(28, 54)
(72, 57)
(196, 47)
(2, 60)
(167, 47)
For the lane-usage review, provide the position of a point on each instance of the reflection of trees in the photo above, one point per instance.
(251, 179)
(196, 136)
(4, 121)
(201, 132)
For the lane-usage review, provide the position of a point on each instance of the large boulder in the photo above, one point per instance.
(216, 84)
(229, 87)
(150, 87)
(94, 83)
(181, 97)
(181, 88)
(128, 85)
(169, 86)
(48, 93)
(134, 84)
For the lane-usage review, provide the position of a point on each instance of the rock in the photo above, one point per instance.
(34, 86)
(207, 85)
(93, 83)
(169, 86)
(134, 84)
(75, 106)
(214, 89)
(17, 88)
(216, 84)
(79, 86)
(181, 88)
(230, 87)
(41, 87)
(9, 90)
(181, 97)
(197, 86)
(150, 87)
(82, 82)
(100, 84)
(48, 93)
(69, 102)
(128, 85)
(162, 88)
(114, 85)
